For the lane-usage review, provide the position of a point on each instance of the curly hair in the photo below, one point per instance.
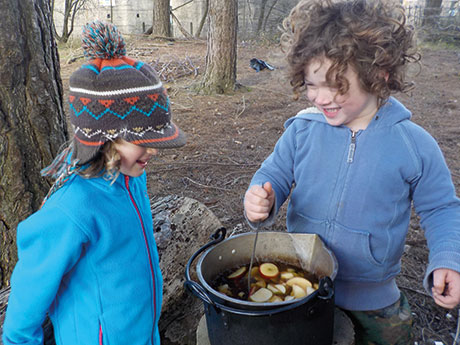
(370, 36)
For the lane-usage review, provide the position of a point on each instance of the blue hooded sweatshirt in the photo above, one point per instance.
(88, 258)
(356, 190)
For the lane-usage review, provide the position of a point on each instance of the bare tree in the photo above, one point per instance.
(220, 75)
(261, 18)
(71, 8)
(203, 19)
(32, 121)
(161, 18)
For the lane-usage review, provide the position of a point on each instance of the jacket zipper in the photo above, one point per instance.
(351, 148)
(148, 249)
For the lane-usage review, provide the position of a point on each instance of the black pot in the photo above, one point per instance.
(309, 320)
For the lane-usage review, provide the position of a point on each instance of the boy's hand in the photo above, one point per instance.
(446, 287)
(258, 202)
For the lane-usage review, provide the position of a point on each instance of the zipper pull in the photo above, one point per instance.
(352, 147)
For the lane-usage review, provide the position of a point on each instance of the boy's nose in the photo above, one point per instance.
(324, 96)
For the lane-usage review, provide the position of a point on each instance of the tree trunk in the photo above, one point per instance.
(431, 12)
(220, 75)
(161, 19)
(260, 21)
(203, 19)
(32, 122)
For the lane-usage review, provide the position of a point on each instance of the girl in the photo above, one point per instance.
(88, 257)
(354, 164)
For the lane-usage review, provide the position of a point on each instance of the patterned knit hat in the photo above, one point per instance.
(113, 96)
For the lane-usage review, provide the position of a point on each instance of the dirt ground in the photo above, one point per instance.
(230, 135)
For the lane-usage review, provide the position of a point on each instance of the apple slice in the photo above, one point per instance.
(302, 282)
(310, 290)
(288, 298)
(275, 299)
(298, 292)
(268, 270)
(273, 289)
(238, 273)
(261, 295)
(282, 288)
(261, 283)
(286, 275)
(255, 271)
(225, 289)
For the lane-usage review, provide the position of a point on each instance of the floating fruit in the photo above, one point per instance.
(225, 289)
(302, 282)
(273, 289)
(281, 288)
(298, 292)
(238, 273)
(261, 295)
(268, 270)
(275, 299)
(310, 290)
(286, 275)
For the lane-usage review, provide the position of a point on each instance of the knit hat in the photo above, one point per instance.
(113, 96)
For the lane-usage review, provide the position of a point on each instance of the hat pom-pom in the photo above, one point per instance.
(102, 41)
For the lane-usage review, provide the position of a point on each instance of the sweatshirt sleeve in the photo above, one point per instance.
(436, 203)
(278, 169)
(49, 245)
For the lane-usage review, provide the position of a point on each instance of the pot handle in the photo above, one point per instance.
(199, 291)
(195, 288)
(326, 288)
(216, 237)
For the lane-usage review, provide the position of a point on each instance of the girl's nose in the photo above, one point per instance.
(152, 151)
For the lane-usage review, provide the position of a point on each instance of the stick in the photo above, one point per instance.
(458, 329)
(205, 186)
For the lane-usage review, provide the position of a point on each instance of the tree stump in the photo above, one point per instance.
(182, 225)
(344, 333)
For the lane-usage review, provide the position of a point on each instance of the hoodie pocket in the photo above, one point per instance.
(351, 247)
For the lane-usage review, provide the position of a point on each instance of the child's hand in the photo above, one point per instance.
(258, 202)
(446, 287)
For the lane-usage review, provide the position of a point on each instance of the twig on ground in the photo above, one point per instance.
(458, 329)
(242, 110)
(206, 186)
(415, 290)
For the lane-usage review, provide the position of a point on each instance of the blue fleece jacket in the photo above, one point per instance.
(88, 257)
(355, 190)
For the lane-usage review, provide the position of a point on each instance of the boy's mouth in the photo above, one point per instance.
(331, 112)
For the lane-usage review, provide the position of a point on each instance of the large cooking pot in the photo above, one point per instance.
(309, 320)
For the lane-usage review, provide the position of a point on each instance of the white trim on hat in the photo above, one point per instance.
(116, 92)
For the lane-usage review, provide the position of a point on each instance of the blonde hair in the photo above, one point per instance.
(370, 36)
(105, 163)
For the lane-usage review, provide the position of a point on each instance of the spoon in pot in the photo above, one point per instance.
(252, 258)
